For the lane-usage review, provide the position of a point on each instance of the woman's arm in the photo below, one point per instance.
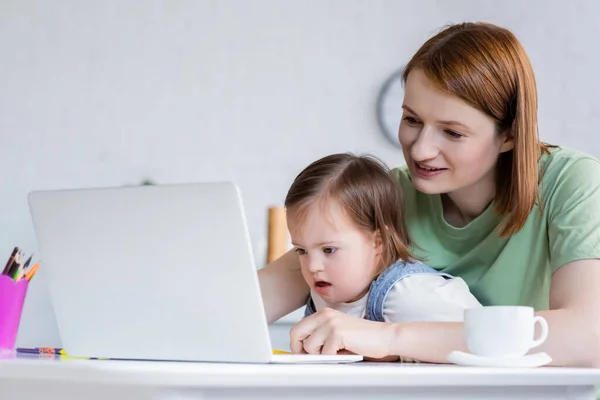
(573, 320)
(282, 285)
(574, 334)
(573, 339)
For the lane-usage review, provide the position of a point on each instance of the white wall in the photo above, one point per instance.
(112, 92)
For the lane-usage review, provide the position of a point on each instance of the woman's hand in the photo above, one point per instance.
(331, 332)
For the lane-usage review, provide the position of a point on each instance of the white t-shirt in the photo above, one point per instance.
(419, 297)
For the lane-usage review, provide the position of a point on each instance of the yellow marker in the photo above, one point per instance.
(281, 352)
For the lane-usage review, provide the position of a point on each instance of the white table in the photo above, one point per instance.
(87, 379)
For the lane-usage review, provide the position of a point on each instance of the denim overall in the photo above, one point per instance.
(381, 286)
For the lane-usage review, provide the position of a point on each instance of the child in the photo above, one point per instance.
(344, 214)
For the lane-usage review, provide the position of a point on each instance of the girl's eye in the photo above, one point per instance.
(454, 135)
(300, 251)
(411, 121)
(329, 250)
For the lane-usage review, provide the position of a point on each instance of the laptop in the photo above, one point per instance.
(155, 273)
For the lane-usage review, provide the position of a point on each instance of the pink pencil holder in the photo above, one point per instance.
(12, 298)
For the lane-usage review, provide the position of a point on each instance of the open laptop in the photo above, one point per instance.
(155, 273)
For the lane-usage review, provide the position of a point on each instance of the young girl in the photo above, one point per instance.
(344, 214)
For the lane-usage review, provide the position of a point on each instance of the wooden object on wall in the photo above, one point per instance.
(277, 244)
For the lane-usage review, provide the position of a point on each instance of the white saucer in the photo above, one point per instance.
(472, 360)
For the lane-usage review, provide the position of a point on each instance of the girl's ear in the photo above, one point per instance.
(378, 242)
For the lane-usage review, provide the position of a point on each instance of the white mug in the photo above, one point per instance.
(503, 331)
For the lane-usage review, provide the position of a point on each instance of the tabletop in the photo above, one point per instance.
(362, 374)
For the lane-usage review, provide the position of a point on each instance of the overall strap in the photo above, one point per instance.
(381, 286)
(310, 307)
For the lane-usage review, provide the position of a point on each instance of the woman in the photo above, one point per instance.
(517, 219)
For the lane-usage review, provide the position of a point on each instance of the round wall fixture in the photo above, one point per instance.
(389, 106)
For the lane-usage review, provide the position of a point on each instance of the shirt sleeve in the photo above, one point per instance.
(574, 214)
(428, 298)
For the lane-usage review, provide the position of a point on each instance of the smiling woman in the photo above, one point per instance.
(484, 200)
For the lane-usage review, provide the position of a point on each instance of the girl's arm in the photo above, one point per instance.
(282, 286)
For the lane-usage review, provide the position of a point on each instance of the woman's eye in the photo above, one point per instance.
(452, 134)
(300, 251)
(329, 250)
(411, 121)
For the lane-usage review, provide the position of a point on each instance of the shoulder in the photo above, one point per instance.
(567, 175)
(402, 175)
(412, 197)
(570, 195)
(428, 297)
(401, 270)
(562, 160)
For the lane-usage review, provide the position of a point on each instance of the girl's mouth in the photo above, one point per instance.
(322, 287)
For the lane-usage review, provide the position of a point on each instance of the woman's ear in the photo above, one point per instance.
(508, 142)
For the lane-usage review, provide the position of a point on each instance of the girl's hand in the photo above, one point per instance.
(332, 332)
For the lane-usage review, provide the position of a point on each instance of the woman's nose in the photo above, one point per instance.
(424, 147)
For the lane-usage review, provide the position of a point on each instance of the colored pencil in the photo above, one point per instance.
(41, 350)
(31, 272)
(10, 261)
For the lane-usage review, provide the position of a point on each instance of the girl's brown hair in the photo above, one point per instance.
(487, 67)
(365, 189)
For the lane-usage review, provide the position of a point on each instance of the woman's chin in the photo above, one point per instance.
(427, 187)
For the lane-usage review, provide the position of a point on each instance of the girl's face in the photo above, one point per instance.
(448, 145)
(338, 260)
